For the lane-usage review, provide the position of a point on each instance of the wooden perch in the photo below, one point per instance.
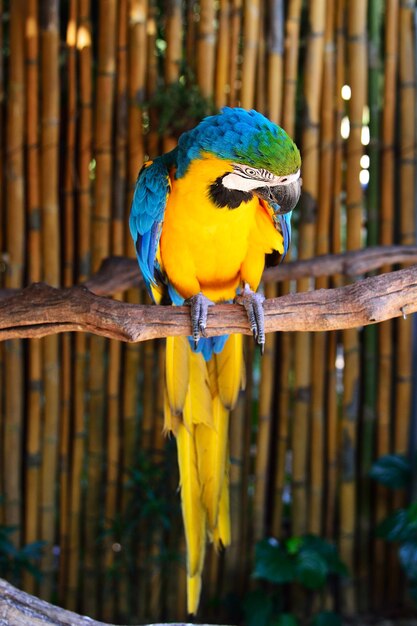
(117, 274)
(18, 608)
(41, 310)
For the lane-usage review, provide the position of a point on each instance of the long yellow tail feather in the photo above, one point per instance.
(199, 395)
(177, 357)
(229, 370)
(193, 513)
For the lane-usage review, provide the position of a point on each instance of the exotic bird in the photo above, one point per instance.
(203, 218)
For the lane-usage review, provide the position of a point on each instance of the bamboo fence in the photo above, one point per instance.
(84, 466)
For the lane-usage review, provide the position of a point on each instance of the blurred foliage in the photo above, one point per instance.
(307, 562)
(151, 508)
(395, 471)
(180, 106)
(14, 561)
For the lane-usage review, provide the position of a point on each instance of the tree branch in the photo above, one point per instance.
(41, 310)
(117, 274)
(18, 608)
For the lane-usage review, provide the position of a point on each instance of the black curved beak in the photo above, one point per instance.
(283, 198)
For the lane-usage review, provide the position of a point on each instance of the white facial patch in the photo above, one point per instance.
(246, 178)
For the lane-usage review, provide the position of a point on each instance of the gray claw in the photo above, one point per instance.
(199, 310)
(253, 303)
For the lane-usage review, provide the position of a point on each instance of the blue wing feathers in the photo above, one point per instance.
(147, 215)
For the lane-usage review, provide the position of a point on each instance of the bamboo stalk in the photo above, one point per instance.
(250, 49)
(113, 464)
(100, 243)
(354, 202)
(310, 154)
(173, 35)
(386, 234)
(370, 335)
(292, 33)
(407, 232)
(266, 385)
(291, 53)
(324, 222)
(84, 159)
(222, 86)
(68, 280)
(33, 437)
(49, 40)
(333, 443)
(15, 229)
(113, 460)
(206, 47)
(235, 38)
(74, 563)
(137, 38)
(260, 95)
(190, 35)
(275, 60)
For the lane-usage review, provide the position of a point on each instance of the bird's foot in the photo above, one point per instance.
(253, 303)
(199, 310)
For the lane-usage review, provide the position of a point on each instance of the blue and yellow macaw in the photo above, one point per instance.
(203, 218)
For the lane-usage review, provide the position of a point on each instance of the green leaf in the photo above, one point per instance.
(311, 569)
(285, 619)
(327, 618)
(257, 608)
(328, 552)
(392, 470)
(272, 563)
(293, 544)
(400, 526)
(408, 558)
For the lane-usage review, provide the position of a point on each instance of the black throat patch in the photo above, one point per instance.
(230, 198)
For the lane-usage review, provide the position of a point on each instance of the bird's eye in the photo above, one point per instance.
(250, 172)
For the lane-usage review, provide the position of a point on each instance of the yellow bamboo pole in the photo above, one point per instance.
(407, 233)
(190, 35)
(173, 35)
(113, 460)
(205, 47)
(266, 383)
(250, 49)
(357, 11)
(332, 437)
(385, 340)
(100, 243)
(84, 158)
(291, 39)
(152, 140)
(34, 412)
(137, 59)
(222, 86)
(313, 72)
(68, 280)
(235, 34)
(49, 41)
(291, 53)
(319, 348)
(15, 228)
(275, 60)
(260, 96)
